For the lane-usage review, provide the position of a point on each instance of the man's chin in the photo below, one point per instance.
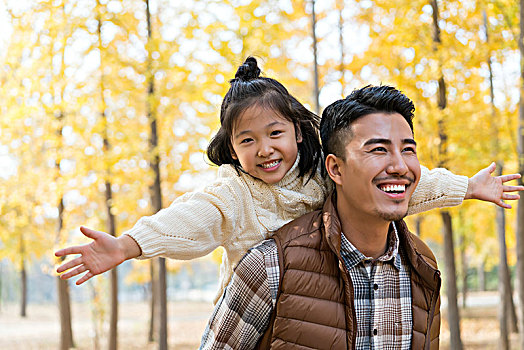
(393, 216)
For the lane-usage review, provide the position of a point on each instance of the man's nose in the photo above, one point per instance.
(397, 164)
(265, 149)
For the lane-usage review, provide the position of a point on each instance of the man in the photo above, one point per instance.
(350, 275)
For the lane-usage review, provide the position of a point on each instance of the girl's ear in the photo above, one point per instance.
(233, 154)
(298, 134)
(333, 165)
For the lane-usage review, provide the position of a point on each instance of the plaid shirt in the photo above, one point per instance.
(382, 299)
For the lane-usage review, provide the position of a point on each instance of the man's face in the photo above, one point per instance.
(381, 169)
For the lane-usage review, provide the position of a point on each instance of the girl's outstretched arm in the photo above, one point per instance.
(439, 188)
(489, 188)
(102, 254)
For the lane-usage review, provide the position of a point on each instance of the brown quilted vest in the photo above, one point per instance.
(314, 307)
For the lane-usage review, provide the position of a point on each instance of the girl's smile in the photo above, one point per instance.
(265, 144)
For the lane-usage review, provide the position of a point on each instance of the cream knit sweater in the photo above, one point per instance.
(238, 211)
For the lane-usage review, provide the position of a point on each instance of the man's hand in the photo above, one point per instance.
(489, 188)
(101, 255)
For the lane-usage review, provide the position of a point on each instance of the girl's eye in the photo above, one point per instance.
(247, 140)
(276, 132)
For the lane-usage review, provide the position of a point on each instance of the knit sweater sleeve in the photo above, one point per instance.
(437, 188)
(193, 225)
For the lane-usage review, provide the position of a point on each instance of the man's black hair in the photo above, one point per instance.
(335, 126)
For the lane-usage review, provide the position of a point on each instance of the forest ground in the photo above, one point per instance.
(187, 320)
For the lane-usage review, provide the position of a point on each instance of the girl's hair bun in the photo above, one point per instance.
(248, 70)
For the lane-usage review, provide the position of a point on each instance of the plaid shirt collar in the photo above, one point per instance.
(352, 256)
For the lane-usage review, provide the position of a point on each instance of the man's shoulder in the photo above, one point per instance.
(304, 225)
(420, 246)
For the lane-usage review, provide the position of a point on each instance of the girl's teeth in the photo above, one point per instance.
(269, 165)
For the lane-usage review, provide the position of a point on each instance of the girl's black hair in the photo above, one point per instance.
(249, 89)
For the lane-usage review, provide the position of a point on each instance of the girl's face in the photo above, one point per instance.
(265, 144)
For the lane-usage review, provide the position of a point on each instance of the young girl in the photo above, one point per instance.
(269, 155)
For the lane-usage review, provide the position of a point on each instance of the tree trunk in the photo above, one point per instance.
(156, 192)
(464, 267)
(449, 251)
(316, 89)
(342, 68)
(154, 304)
(23, 296)
(23, 279)
(66, 334)
(110, 221)
(113, 316)
(481, 274)
(508, 318)
(520, 208)
(507, 314)
(64, 303)
(451, 282)
(503, 278)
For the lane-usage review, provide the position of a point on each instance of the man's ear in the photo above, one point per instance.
(333, 165)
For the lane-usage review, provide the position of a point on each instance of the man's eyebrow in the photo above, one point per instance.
(266, 127)
(387, 141)
(378, 140)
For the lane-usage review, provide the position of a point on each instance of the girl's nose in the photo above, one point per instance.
(265, 150)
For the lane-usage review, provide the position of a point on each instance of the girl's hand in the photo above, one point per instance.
(101, 255)
(489, 188)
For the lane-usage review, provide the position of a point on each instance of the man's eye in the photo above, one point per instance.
(379, 149)
(410, 149)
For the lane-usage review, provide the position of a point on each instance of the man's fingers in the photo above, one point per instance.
(503, 205)
(507, 196)
(491, 168)
(73, 273)
(507, 188)
(69, 265)
(506, 178)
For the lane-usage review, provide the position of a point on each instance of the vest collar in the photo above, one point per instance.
(333, 228)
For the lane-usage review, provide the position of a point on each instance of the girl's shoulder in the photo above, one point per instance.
(227, 171)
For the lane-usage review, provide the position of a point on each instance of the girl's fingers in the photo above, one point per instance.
(69, 265)
(507, 188)
(89, 232)
(74, 272)
(84, 278)
(506, 178)
(68, 251)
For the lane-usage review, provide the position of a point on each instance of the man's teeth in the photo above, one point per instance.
(393, 188)
(269, 165)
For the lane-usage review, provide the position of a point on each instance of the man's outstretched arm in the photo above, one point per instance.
(243, 313)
